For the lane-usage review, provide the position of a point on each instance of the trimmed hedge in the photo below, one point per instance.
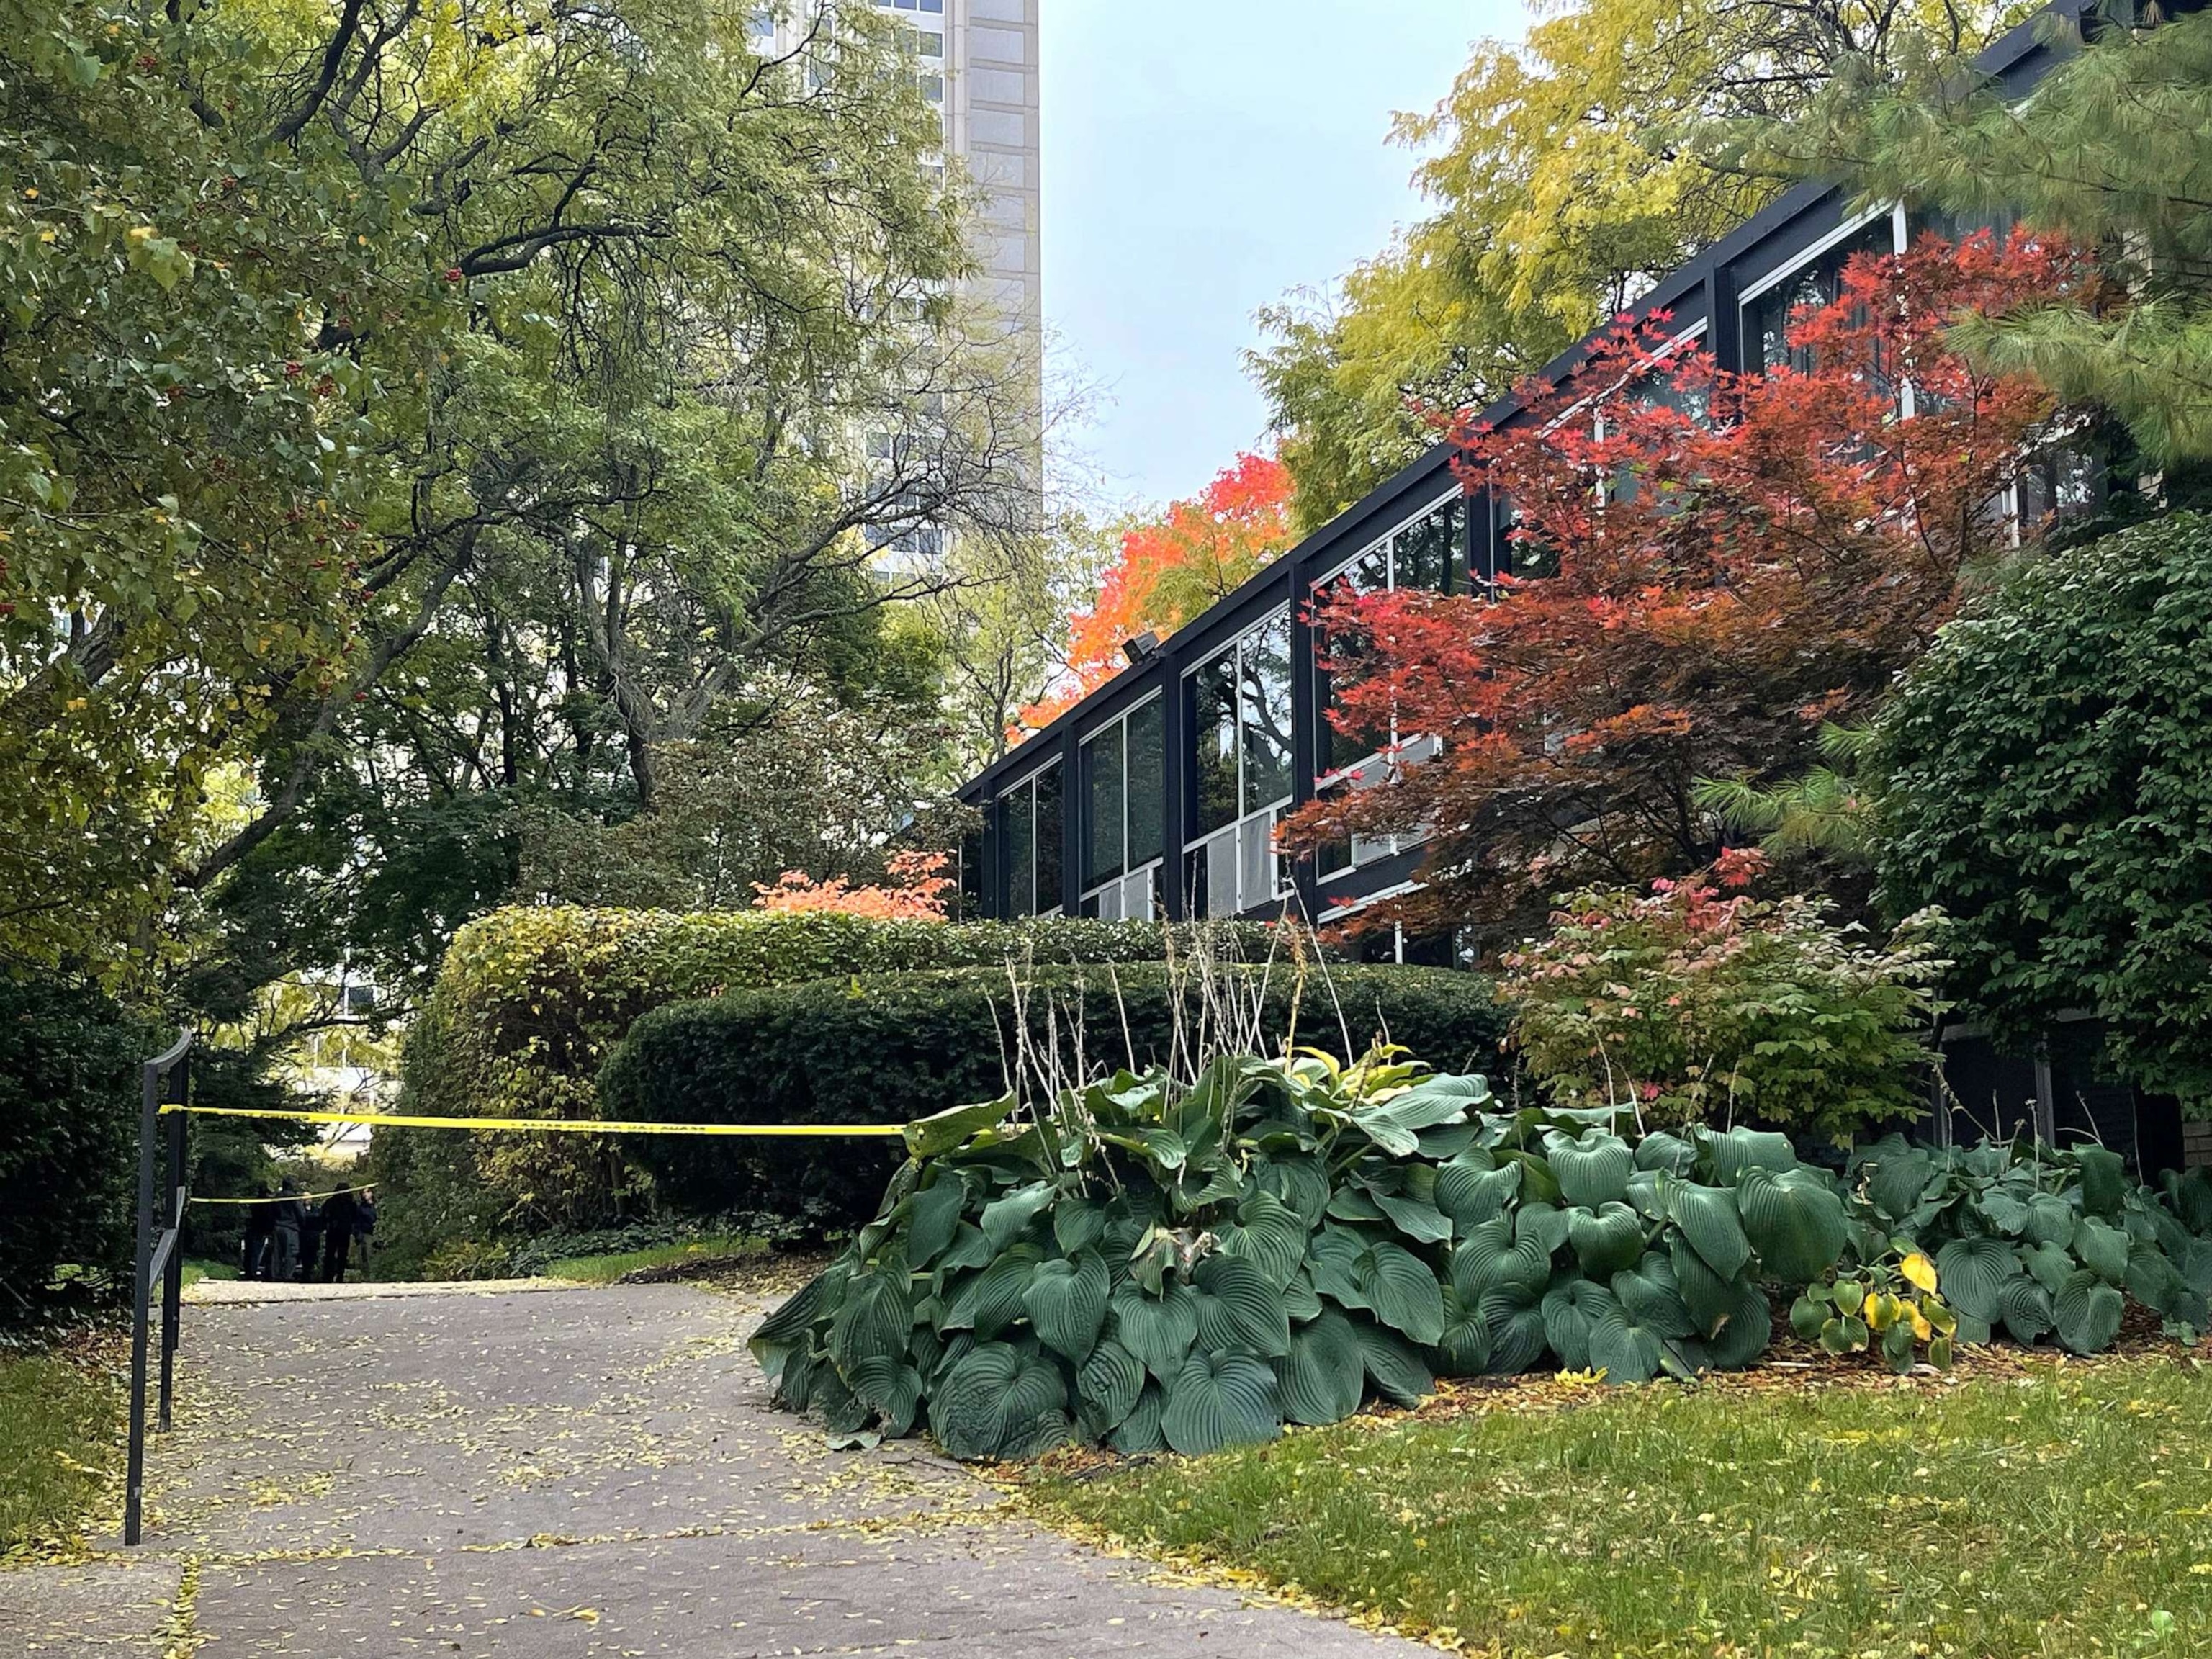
(892, 1048)
(69, 1139)
(530, 1000)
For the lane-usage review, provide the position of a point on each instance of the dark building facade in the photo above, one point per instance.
(1158, 793)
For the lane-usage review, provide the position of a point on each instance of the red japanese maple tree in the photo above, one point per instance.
(1731, 560)
(1171, 567)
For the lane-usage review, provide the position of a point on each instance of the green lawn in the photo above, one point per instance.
(2065, 1514)
(59, 1440)
(605, 1269)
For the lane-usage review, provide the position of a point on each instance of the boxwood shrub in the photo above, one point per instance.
(530, 1000)
(890, 1048)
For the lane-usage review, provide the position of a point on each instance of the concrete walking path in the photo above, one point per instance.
(520, 1476)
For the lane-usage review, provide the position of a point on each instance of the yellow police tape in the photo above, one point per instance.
(554, 1124)
(285, 1198)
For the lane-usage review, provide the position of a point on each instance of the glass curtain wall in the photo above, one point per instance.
(1124, 800)
(1031, 838)
(1241, 717)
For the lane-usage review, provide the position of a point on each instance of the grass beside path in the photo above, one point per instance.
(60, 1443)
(2064, 1513)
(605, 1269)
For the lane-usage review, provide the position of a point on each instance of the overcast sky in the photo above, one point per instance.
(1202, 159)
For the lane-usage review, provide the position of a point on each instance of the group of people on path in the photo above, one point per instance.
(295, 1237)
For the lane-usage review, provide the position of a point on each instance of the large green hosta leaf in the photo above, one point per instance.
(1666, 1153)
(1107, 1387)
(1653, 1298)
(2047, 1265)
(1735, 1151)
(1489, 1258)
(891, 1388)
(933, 1218)
(2103, 1248)
(1708, 1218)
(1395, 1125)
(999, 1402)
(2087, 1312)
(1897, 1176)
(2026, 1308)
(1421, 1221)
(1299, 1181)
(1793, 1222)
(1605, 1240)
(968, 1249)
(1392, 1364)
(2155, 1281)
(1472, 1188)
(1593, 1168)
(1378, 1277)
(1743, 1329)
(933, 1136)
(1569, 1310)
(874, 1318)
(1158, 1329)
(1514, 1321)
(787, 1330)
(1221, 1400)
(1270, 1235)
(1463, 1350)
(1004, 1220)
(1972, 1274)
(1238, 1311)
(1066, 1304)
(1544, 1225)
(1322, 1377)
(992, 1300)
(1140, 1434)
(1078, 1223)
(1634, 1336)
(2104, 1181)
(2050, 1220)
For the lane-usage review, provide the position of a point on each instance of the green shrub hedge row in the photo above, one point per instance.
(530, 1000)
(69, 1139)
(890, 1049)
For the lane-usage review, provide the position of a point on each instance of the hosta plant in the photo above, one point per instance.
(1154, 1263)
(2039, 1241)
(1888, 1304)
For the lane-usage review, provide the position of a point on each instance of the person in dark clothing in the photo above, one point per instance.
(311, 1242)
(284, 1220)
(260, 1239)
(341, 1215)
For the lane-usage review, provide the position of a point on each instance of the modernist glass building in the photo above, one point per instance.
(1158, 794)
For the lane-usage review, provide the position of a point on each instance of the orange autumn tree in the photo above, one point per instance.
(915, 888)
(1171, 567)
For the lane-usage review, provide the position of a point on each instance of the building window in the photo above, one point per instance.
(1422, 553)
(1240, 722)
(1030, 840)
(969, 900)
(1123, 779)
(1767, 312)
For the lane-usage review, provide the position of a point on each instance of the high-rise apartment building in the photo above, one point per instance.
(976, 60)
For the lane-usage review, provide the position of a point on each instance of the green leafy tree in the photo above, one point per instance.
(2108, 151)
(1562, 184)
(412, 419)
(2046, 771)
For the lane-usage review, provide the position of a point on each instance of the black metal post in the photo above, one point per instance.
(173, 1281)
(142, 1284)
